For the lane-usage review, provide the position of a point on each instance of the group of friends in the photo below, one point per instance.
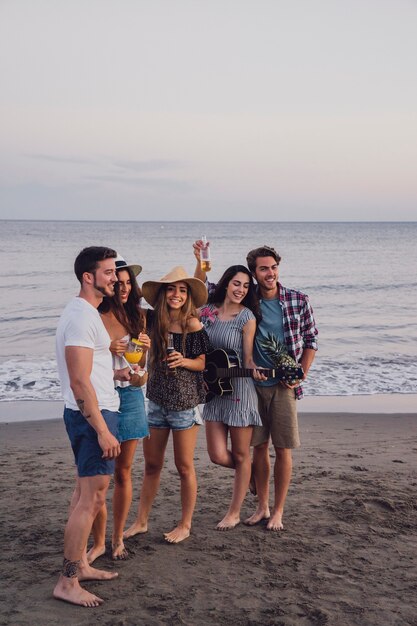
(105, 413)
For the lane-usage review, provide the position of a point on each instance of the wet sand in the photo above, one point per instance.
(348, 554)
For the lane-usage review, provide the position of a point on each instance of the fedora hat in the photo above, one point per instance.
(150, 288)
(122, 265)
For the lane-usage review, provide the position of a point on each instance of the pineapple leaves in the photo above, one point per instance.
(278, 353)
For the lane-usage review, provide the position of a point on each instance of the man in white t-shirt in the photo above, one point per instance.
(91, 419)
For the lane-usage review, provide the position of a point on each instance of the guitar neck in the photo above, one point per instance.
(243, 372)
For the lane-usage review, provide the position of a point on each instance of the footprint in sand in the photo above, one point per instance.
(380, 505)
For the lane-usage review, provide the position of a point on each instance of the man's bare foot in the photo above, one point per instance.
(86, 572)
(94, 553)
(118, 551)
(275, 522)
(228, 522)
(69, 590)
(260, 515)
(135, 529)
(177, 534)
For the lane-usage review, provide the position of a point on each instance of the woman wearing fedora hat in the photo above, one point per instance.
(124, 319)
(175, 389)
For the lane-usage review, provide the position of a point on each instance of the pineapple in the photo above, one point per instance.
(278, 354)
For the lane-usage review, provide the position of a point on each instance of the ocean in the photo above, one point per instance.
(361, 279)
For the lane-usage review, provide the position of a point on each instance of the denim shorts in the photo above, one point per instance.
(133, 423)
(158, 417)
(84, 442)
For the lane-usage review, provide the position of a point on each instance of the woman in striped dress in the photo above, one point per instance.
(230, 321)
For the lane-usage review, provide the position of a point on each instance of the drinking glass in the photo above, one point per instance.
(134, 351)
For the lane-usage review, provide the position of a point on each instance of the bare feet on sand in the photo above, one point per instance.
(118, 551)
(179, 533)
(260, 515)
(94, 553)
(228, 522)
(69, 590)
(86, 572)
(275, 522)
(135, 529)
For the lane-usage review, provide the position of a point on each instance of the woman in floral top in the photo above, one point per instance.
(175, 388)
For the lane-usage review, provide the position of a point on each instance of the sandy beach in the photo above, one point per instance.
(347, 555)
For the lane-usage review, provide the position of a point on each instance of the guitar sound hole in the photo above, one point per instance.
(210, 374)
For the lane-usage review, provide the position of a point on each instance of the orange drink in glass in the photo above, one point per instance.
(134, 351)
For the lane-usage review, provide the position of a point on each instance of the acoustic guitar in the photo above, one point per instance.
(222, 365)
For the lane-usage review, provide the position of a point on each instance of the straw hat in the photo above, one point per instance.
(150, 288)
(122, 265)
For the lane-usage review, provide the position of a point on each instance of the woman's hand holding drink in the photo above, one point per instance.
(172, 355)
(118, 346)
(145, 341)
(174, 359)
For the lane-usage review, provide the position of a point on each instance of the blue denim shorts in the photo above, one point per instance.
(84, 442)
(133, 423)
(158, 417)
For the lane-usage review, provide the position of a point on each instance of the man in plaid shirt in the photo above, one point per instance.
(287, 314)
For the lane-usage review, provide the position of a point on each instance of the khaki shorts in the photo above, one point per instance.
(278, 411)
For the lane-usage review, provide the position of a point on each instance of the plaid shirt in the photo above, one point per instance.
(299, 326)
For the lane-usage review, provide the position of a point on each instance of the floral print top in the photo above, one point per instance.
(180, 389)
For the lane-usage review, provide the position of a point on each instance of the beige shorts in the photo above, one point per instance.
(278, 411)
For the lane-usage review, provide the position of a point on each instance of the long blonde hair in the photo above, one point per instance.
(160, 324)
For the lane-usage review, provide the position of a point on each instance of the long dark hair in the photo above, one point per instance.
(250, 300)
(160, 323)
(130, 314)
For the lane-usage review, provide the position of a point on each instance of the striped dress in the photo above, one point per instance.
(239, 408)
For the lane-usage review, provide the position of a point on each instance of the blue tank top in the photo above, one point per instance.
(272, 323)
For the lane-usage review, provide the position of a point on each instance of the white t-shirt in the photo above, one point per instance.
(81, 325)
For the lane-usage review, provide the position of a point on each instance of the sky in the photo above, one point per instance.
(281, 110)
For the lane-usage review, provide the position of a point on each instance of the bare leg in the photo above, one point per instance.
(216, 436)
(99, 536)
(261, 469)
(75, 496)
(92, 492)
(154, 452)
(252, 482)
(241, 438)
(184, 445)
(282, 479)
(122, 496)
(85, 571)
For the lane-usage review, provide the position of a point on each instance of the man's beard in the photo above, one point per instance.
(102, 290)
